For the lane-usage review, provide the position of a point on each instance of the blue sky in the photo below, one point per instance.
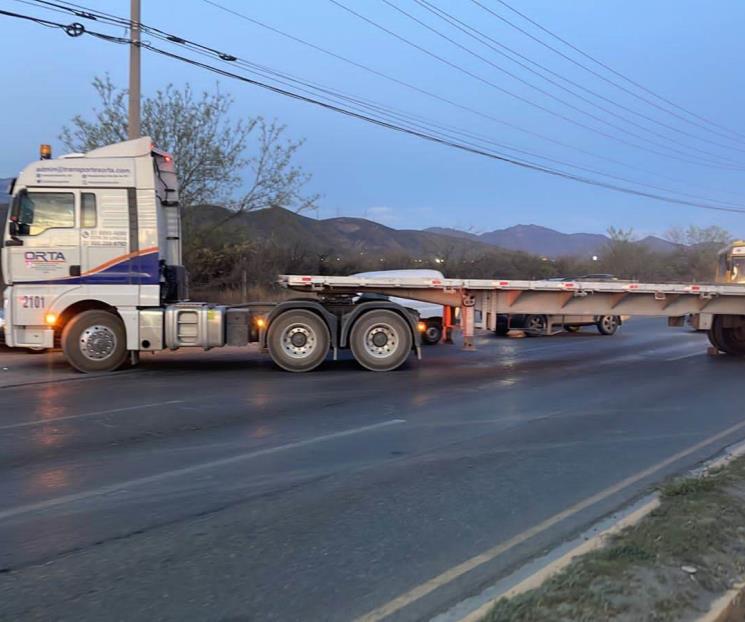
(686, 50)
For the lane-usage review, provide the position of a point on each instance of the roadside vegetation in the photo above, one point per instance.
(670, 566)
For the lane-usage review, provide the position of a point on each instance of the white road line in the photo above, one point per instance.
(686, 356)
(151, 479)
(488, 555)
(98, 413)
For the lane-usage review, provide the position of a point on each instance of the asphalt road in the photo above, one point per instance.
(212, 486)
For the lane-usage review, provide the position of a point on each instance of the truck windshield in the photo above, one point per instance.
(738, 270)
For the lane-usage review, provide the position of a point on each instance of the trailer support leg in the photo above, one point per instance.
(447, 324)
(467, 317)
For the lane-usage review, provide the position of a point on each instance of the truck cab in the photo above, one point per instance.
(731, 263)
(99, 230)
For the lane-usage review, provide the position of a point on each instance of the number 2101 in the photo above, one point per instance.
(32, 302)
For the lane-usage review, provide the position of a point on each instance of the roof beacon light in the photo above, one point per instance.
(45, 152)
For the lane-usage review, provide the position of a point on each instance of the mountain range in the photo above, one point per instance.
(547, 242)
(358, 235)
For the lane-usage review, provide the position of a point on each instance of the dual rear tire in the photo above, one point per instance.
(299, 340)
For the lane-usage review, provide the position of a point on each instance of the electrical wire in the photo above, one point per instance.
(508, 52)
(525, 100)
(77, 30)
(601, 76)
(455, 104)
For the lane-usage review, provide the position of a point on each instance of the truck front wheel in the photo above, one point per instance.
(298, 340)
(95, 341)
(381, 340)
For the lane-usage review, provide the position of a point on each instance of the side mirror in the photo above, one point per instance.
(14, 230)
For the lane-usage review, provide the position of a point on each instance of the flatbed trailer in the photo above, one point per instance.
(718, 308)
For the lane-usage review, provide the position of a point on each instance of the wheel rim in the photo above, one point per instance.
(535, 323)
(433, 333)
(299, 340)
(381, 340)
(98, 342)
(609, 323)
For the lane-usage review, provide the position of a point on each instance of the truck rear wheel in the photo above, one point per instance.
(95, 341)
(298, 340)
(381, 340)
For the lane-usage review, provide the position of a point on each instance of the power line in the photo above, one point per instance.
(503, 50)
(520, 97)
(440, 98)
(601, 76)
(78, 30)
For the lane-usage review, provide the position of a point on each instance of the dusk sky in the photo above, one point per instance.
(687, 51)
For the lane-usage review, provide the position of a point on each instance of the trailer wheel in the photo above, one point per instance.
(608, 325)
(298, 340)
(95, 341)
(381, 340)
(535, 325)
(728, 340)
(433, 334)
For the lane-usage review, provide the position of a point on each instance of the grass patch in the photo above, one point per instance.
(638, 576)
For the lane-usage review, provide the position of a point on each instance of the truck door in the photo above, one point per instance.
(47, 248)
(105, 256)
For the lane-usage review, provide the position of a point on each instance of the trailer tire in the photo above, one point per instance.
(433, 333)
(728, 340)
(380, 340)
(608, 325)
(298, 340)
(95, 341)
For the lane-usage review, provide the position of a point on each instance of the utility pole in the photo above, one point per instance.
(134, 70)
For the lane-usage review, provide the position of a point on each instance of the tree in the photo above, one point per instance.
(693, 235)
(213, 153)
(696, 256)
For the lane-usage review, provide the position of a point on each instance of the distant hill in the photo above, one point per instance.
(547, 242)
(333, 235)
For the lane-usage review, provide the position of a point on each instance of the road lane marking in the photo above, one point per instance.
(686, 356)
(491, 554)
(150, 479)
(98, 413)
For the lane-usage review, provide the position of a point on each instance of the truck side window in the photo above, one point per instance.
(40, 211)
(88, 218)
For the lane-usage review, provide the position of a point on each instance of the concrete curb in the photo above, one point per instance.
(536, 579)
(730, 607)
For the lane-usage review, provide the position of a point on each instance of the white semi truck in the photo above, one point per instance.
(92, 259)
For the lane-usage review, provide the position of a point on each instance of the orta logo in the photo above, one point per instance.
(44, 256)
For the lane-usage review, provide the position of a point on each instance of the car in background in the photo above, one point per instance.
(537, 324)
(429, 313)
